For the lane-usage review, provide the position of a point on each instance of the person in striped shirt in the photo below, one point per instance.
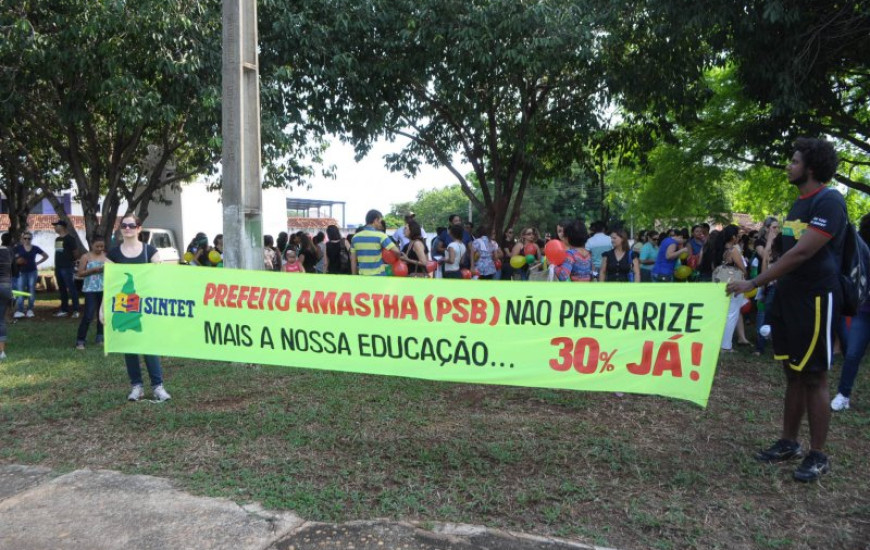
(367, 244)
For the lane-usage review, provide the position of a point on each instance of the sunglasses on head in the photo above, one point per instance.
(128, 226)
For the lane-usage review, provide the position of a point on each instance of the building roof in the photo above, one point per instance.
(310, 224)
(42, 222)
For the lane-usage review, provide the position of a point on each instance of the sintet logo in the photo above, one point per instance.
(126, 308)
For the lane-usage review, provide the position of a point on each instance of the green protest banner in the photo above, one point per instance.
(657, 338)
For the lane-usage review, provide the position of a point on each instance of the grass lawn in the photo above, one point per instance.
(632, 472)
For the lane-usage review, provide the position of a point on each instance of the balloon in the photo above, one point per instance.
(518, 261)
(400, 269)
(684, 256)
(530, 249)
(214, 257)
(475, 272)
(682, 273)
(466, 273)
(751, 294)
(554, 250)
(220, 264)
(747, 308)
(498, 265)
(431, 266)
(530, 258)
(388, 269)
(476, 255)
(693, 261)
(389, 256)
(188, 257)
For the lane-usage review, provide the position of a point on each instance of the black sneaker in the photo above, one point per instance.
(813, 467)
(783, 449)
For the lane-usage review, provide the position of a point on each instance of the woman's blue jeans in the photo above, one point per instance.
(856, 344)
(134, 371)
(92, 303)
(26, 283)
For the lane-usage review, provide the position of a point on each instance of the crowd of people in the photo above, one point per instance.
(798, 261)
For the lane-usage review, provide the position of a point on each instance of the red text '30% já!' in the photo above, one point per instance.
(585, 355)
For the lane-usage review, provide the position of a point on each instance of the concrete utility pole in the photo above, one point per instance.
(242, 194)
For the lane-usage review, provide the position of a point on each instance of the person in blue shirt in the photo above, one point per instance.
(670, 250)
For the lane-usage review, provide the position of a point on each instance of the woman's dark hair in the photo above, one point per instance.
(333, 233)
(319, 238)
(576, 233)
(724, 237)
(456, 231)
(481, 231)
(505, 241)
(306, 245)
(282, 240)
(707, 252)
(624, 236)
(135, 218)
(415, 232)
(98, 237)
(819, 156)
(218, 237)
(268, 241)
(864, 228)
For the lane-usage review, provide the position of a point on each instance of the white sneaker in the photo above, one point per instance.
(75, 315)
(2, 355)
(840, 403)
(61, 314)
(30, 314)
(136, 393)
(18, 315)
(160, 394)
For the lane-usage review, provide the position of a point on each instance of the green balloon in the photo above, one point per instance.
(530, 258)
(389, 270)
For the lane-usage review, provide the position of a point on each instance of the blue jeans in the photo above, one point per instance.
(855, 345)
(134, 370)
(26, 283)
(659, 278)
(67, 285)
(5, 298)
(92, 302)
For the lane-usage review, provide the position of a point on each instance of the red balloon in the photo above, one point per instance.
(400, 269)
(466, 273)
(497, 265)
(555, 252)
(431, 266)
(389, 256)
(530, 249)
(747, 308)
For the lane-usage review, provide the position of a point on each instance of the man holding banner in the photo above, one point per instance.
(806, 304)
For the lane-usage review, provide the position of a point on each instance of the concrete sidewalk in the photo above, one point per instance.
(95, 510)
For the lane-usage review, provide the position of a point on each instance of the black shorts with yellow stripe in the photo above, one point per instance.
(801, 328)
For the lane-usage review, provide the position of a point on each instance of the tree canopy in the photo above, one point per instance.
(126, 97)
(512, 85)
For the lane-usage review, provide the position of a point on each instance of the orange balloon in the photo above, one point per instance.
(466, 273)
(400, 269)
(530, 249)
(431, 266)
(389, 256)
(555, 251)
